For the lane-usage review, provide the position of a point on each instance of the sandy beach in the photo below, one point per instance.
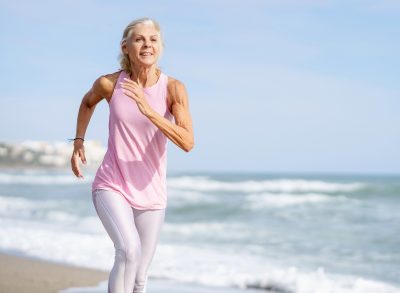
(21, 275)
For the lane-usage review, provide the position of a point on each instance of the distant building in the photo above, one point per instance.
(31, 153)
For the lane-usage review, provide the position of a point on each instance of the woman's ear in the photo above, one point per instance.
(123, 48)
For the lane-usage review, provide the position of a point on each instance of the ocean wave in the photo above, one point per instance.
(262, 200)
(178, 197)
(292, 280)
(213, 267)
(202, 183)
(53, 242)
(20, 206)
(205, 264)
(216, 230)
(43, 211)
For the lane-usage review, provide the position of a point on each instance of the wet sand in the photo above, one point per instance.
(22, 275)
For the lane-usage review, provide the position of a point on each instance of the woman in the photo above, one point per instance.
(129, 190)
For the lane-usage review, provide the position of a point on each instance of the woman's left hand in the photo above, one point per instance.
(134, 90)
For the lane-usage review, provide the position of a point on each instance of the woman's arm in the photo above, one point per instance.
(180, 132)
(99, 90)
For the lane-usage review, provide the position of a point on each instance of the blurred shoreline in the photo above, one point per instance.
(26, 274)
(40, 154)
(20, 274)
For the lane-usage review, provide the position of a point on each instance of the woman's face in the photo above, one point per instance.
(144, 45)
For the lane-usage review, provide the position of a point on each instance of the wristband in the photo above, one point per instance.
(71, 139)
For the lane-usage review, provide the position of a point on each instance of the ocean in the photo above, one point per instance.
(274, 232)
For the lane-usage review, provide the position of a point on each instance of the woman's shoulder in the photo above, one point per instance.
(105, 83)
(175, 85)
(176, 92)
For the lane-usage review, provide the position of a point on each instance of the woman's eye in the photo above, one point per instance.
(154, 40)
(137, 40)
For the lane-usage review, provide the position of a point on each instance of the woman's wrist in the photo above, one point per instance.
(76, 138)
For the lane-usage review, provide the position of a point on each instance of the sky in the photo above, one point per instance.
(274, 85)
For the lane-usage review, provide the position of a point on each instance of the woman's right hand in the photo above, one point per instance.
(78, 153)
(102, 87)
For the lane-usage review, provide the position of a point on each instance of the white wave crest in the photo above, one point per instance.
(20, 206)
(182, 197)
(226, 268)
(214, 230)
(202, 183)
(262, 200)
(43, 211)
(204, 264)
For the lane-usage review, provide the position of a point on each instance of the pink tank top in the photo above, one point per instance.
(136, 159)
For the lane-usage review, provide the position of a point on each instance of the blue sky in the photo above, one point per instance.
(275, 86)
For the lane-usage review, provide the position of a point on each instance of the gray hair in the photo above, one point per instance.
(124, 58)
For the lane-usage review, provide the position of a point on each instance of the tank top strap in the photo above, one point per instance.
(164, 79)
(120, 78)
(164, 84)
(117, 87)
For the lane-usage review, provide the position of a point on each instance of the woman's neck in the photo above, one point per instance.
(145, 76)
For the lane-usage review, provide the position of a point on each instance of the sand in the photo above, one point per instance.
(27, 275)
(30, 275)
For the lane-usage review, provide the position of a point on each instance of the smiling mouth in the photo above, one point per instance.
(146, 54)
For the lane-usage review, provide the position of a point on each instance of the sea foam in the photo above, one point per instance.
(262, 200)
(202, 183)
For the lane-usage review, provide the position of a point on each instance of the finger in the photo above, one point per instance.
(131, 94)
(129, 86)
(75, 167)
(139, 83)
(82, 155)
(129, 82)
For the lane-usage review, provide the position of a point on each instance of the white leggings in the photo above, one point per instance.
(135, 234)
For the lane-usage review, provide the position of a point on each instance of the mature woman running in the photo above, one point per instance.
(129, 190)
